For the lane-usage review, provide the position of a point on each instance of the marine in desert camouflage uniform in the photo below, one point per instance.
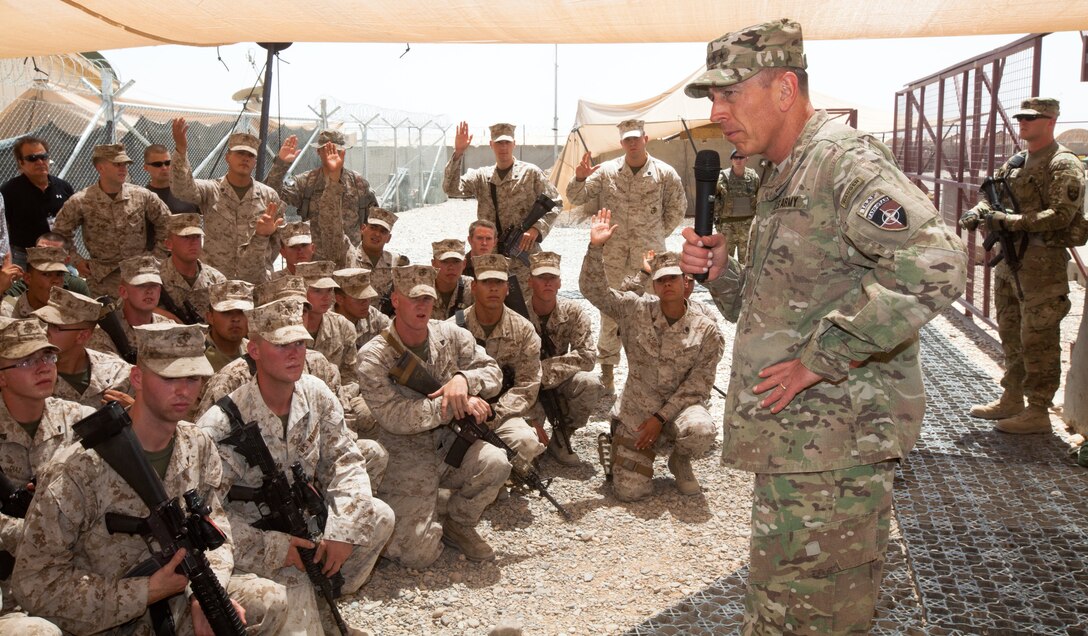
(413, 427)
(67, 542)
(117, 218)
(139, 293)
(511, 341)
(333, 335)
(301, 420)
(453, 287)
(849, 259)
(89, 377)
(371, 253)
(672, 355)
(184, 276)
(335, 200)
(647, 201)
(567, 368)
(240, 214)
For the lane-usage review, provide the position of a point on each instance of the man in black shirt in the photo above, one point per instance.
(33, 198)
(157, 166)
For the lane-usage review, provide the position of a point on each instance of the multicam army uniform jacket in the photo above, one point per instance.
(849, 260)
(671, 367)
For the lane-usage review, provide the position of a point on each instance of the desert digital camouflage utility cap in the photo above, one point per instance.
(244, 142)
(317, 274)
(279, 322)
(448, 248)
(172, 350)
(139, 270)
(296, 233)
(414, 281)
(355, 282)
(114, 153)
(69, 308)
(382, 217)
(187, 224)
(285, 286)
(491, 266)
(736, 56)
(230, 295)
(20, 338)
(502, 132)
(47, 259)
(631, 128)
(335, 137)
(667, 264)
(542, 263)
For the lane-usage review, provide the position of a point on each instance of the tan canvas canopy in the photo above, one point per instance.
(41, 27)
(665, 115)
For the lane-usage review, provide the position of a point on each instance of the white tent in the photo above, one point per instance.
(665, 115)
(41, 27)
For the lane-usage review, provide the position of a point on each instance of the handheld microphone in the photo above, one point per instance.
(708, 165)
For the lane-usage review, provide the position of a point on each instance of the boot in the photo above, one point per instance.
(606, 378)
(561, 454)
(680, 467)
(467, 541)
(1007, 406)
(1034, 419)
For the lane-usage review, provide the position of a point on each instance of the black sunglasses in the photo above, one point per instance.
(41, 156)
(1030, 117)
(159, 164)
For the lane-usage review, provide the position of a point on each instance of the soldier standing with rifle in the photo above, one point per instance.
(505, 192)
(94, 584)
(300, 420)
(413, 427)
(567, 352)
(1043, 199)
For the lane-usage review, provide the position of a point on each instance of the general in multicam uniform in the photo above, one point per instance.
(848, 261)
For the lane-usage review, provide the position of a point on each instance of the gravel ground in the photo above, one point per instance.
(616, 564)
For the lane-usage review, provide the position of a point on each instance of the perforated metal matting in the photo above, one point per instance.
(993, 528)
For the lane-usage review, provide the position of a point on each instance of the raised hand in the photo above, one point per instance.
(585, 168)
(332, 162)
(601, 228)
(270, 221)
(461, 139)
(180, 129)
(289, 150)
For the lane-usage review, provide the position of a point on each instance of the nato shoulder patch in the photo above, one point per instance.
(1073, 191)
(884, 212)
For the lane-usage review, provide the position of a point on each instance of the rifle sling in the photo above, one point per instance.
(234, 416)
(495, 202)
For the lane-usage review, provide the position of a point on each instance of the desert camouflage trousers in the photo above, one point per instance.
(817, 550)
(1030, 329)
(583, 391)
(691, 433)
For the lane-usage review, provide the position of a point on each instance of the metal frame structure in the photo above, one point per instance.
(953, 128)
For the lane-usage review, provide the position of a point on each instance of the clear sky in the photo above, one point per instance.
(485, 83)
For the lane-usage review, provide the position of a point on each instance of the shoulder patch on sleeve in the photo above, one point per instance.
(1073, 191)
(884, 212)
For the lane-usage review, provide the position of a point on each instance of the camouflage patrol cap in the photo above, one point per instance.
(139, 270)
(542, 263)
(47, 259)
(113, 153)
(382, 217)
(355, 282)
(187, 224)
(491, 266)
(448, 248)
(1040, 107)
(230, 295)
(631, 128)
(414, 281)
(502, 132)
(667, 264)
(736, 56)
(244, 142)
(279, 288)
(317, 274)
(296, 233)
(172, 350)
(20, 338)
(279, 322)
(69, 308)
(335, 137)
